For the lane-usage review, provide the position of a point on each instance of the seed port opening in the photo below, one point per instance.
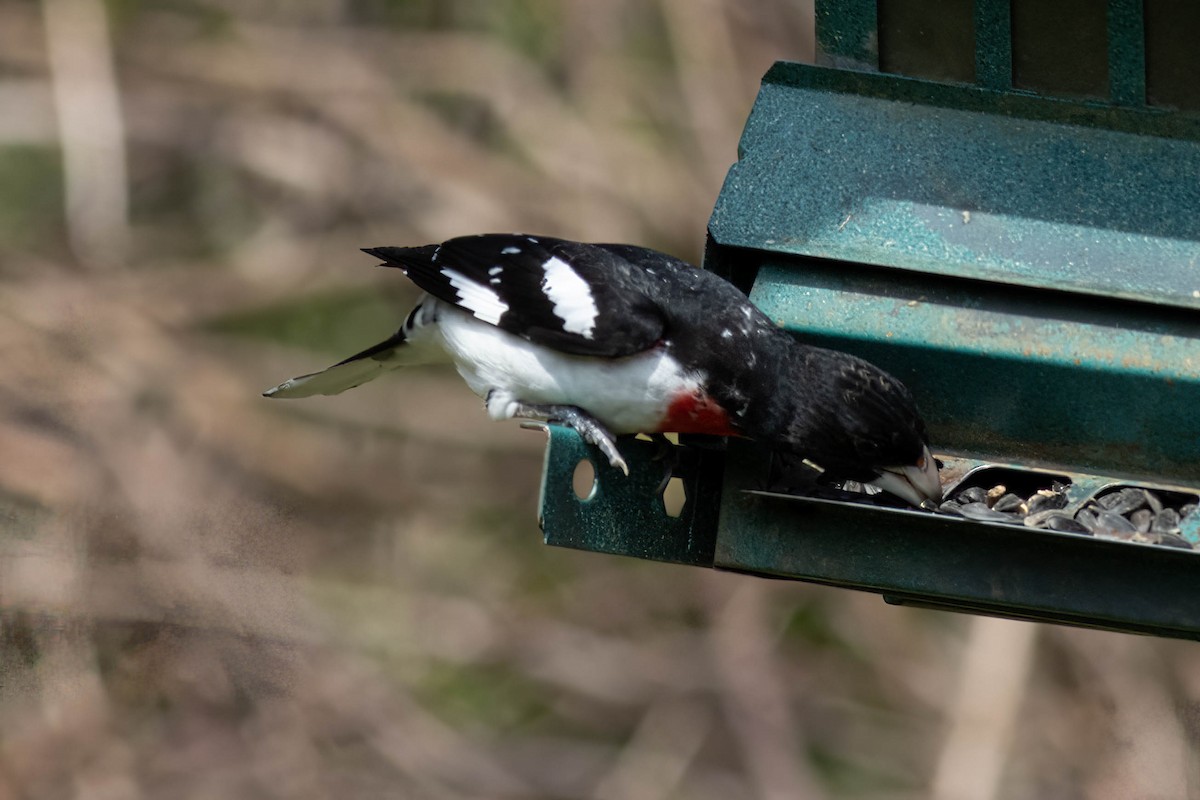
(583, 480)
(1145, 514)
(674, 496)
(1018, 481)
(1168, 497)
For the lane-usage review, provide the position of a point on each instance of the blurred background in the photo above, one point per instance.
(204, 594)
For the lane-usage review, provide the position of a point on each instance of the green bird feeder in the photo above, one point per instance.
(998, 202)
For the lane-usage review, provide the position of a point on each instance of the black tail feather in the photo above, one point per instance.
(402, 256)
(393, 341)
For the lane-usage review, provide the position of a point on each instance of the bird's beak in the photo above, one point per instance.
(917, 483)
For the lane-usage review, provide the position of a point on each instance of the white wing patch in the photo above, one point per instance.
(571, 296)
(628, 395)
(481, 301)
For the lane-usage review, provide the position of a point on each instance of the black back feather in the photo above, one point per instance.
(513, 267)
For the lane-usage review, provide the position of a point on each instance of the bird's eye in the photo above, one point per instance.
(921, 462)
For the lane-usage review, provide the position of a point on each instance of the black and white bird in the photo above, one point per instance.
(615, 339)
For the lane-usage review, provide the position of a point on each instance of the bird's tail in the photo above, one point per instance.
(353, 371)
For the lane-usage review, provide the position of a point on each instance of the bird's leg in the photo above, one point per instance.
(584, 424)
(665, 448)
(665, 452)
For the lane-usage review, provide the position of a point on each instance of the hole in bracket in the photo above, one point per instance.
(674, 497)
(583, 480)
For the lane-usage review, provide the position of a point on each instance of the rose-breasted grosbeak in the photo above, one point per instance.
(617, 339)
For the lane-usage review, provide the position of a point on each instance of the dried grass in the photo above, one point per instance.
(203, 594)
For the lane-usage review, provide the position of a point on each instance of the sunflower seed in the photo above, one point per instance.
(1175, 540)
(1167, 521)
(1087, 518)
(1044, 499)
(1063, 523)
(980, 511)
(973, 494)
(1123, 502)
(1009, 502)
(1111, 524)
(1128, 513)
(1041, 518)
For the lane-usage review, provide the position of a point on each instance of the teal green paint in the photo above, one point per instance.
(1029, 266)
(927, 187)
(846, 34)
(943, 215)
(993, 44)
(1126, 52)
(847, 37)
(1190, 529)
(912, 557)
(1013, 375)
(626, 515)
(1090, 113)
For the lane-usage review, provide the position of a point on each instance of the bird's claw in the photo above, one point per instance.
(614, 458)
(587, 426)
(594, 433)
(663, 448)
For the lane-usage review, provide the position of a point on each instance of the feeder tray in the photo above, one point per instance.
(1019, 242)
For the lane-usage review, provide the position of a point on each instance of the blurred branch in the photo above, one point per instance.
(434, 755)
(91, 130)
(1148, 752)
(659, 753)
(756, 700)
(708, 75)
(35, 123)
(995, 670)
(206, 593)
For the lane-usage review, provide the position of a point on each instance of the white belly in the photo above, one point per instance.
(628, 395)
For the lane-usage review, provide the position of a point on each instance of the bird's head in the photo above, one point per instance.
(857, 422)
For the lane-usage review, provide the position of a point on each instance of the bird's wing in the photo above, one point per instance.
(577, 298)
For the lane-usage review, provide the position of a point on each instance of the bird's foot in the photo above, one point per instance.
(587, 426)
(665, 453)
(665, 448)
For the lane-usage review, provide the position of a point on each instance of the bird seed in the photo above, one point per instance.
(1128, 513)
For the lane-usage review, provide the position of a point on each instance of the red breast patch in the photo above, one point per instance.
(696, 412)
